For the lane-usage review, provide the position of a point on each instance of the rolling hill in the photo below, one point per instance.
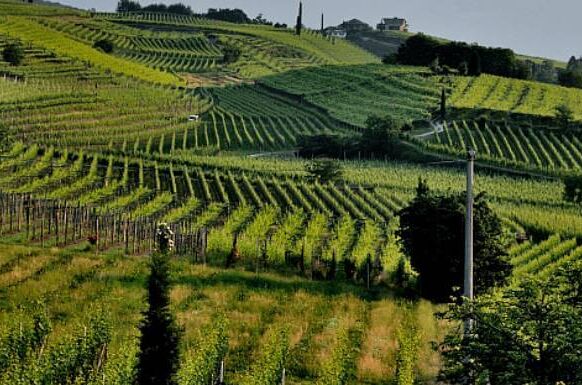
(104, 146)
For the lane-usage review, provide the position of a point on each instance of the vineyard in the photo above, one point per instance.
(545, 150)
(522, 97)
(354, 93)
(277, 274)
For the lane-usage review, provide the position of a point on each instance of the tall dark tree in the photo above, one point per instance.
(419, 50)
(158, 359)
(443, 110)
(432, 233)
(571, 78)
(230, 15)
(180, 9)
(128, 6)
(299, 25)
(573, 64)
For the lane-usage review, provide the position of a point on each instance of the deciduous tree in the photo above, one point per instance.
(529, 335)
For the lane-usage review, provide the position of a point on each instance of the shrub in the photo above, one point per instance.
(231, 54)
(104, 45)
(13, 54)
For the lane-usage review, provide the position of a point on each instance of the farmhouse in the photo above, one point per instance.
(354, 26)
(393, 24)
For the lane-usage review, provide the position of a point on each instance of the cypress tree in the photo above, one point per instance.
(158, 359)
(299, 25)
(443, 104)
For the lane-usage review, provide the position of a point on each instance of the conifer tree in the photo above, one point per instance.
(299, 25)
(160, 336)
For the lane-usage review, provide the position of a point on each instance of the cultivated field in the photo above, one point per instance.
(102, 147)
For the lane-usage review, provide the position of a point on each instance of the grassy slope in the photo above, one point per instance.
(513, 95)
(32, 32)
(17, 7)
(315, 312)
(337, 52)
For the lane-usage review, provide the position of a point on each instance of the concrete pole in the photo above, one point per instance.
(468, 289)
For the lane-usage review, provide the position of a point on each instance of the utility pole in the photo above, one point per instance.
(468, 289)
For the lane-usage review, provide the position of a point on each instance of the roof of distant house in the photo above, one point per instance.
(393, 21)
(354, 22)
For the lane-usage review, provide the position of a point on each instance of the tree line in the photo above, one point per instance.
(572, 75)
(221, 14)
(468, 59)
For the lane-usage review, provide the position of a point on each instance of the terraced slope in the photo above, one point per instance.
(177, 52)
(544, 150)
(545, 258)
(33, 32)
(353, 93)
(329, 51)
(17, 7)
(53, 100)
(524, 97)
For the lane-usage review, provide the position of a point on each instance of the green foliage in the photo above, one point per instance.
(432, 233)
(571, 78)
(564, 116)
(268, 368)
(24, 339)
(13, 53)
(201, 363)
(104, 45)
(530, 334)
(230, 15)
(299, 24)
(407, 355)
(573, 188)
(231, 54)
(325, 170)
(381, 135)
(128, 6)
(73, 360)
(422, 50)
(405, 93)
(178, 9)
(5, 139)
(340, 369)
(158, 359)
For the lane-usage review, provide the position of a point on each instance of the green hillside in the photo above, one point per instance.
(269, 261)
(515, 96)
